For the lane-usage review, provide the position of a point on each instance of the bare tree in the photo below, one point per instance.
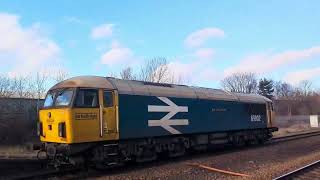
(305, 88)
(155, 70)
(174, 78)
(112, 74)
(127, 73)
(6, 87)
(283, 90)
(23, 87)
(40, 83)
(240, 82)
(60, 75)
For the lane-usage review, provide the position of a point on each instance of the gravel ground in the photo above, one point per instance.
(263, 162)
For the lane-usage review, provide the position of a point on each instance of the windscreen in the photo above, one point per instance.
(58, 98)
(48, 102)
(64, 98)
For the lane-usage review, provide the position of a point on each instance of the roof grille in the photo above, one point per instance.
(157, 84)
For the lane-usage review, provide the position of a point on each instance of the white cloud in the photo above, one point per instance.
(24, 48)
(102, 31)
(297, 76)
(196, 71)
(72, 19)
(204, 53)
(115, 44)
(263, 63)
(117, 55)
(198, 38)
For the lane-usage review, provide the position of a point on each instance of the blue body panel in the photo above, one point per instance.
(203, 116)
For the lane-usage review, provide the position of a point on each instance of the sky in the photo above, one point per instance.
(203, 41)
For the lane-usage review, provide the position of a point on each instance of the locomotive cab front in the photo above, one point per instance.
(78, 115)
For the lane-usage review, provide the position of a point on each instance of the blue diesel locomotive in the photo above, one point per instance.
(105, 121)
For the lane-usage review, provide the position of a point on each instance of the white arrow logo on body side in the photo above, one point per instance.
(172, 110)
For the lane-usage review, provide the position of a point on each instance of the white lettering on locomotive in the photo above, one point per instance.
(255, 118)
(165, 122)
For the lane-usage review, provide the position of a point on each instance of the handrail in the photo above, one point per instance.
(101, 120)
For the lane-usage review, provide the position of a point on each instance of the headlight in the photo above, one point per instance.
(62, 129)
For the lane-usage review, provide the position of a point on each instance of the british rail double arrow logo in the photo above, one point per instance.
(166, 122)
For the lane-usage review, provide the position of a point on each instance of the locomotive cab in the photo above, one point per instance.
(76, 115)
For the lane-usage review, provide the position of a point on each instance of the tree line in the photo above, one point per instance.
(247, 82)
(157, 70)
(29, 86)
(36, 85)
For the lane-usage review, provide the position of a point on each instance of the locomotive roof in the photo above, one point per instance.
(157, 89)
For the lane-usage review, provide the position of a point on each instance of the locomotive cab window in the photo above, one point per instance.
(48, 102)
(64, 98)
(87, 98)
(108, 99)
(58, 98)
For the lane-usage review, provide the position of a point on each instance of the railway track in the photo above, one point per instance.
(46, 173)
(310, 171)
(294, 137)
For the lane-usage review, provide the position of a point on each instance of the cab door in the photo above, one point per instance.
(109, 106)
(85, 126)
(269, 113)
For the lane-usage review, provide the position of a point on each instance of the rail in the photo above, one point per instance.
(300, 171)
(295, 136)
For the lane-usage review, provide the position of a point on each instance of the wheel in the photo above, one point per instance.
(238, 141)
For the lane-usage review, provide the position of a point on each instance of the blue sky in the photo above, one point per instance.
(203, 41)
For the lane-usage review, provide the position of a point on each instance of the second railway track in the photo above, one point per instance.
(310, 171)
(294, 136)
